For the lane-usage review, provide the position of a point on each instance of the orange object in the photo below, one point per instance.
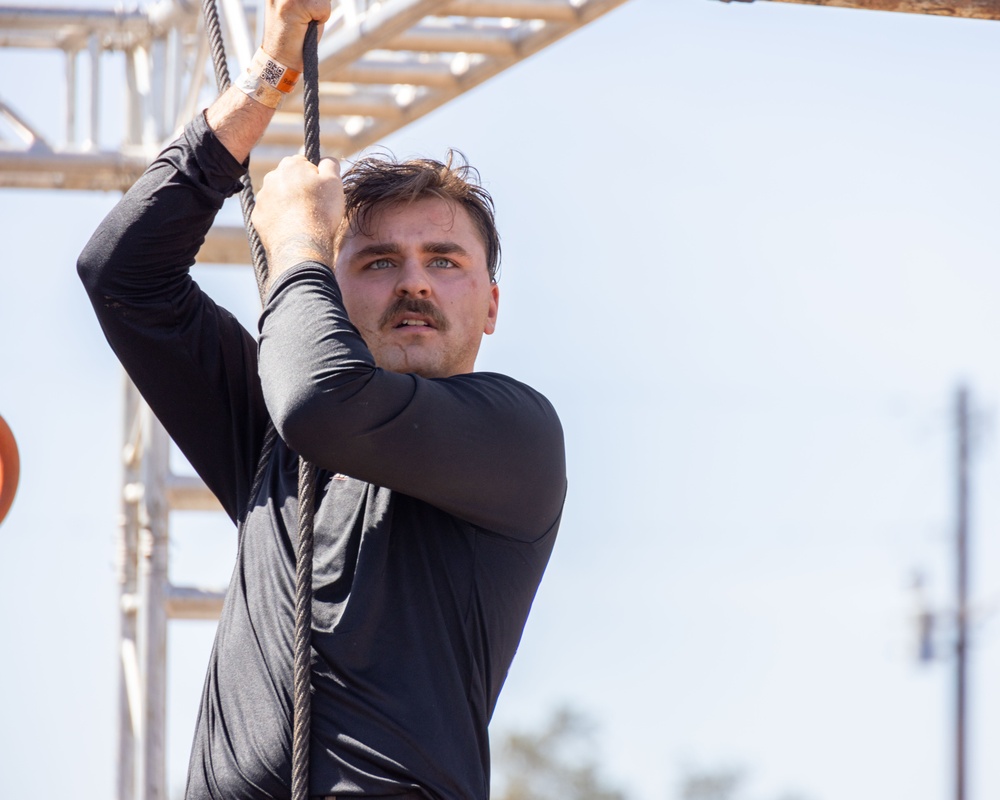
(10, 468)
(273, 72)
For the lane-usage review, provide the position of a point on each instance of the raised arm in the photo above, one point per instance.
(191, 360)
(481, 446)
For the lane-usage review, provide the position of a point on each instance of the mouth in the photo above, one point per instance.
(413, 315)
(414, 322)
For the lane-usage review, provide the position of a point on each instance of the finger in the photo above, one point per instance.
(320, 10)
(329, 168)
(293, 161)
(294, 169)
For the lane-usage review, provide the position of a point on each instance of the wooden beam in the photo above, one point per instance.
(971, 9)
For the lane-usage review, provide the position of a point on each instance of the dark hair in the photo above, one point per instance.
(379, 180)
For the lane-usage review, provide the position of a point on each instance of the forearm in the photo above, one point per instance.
(299, 205)
(238, 122)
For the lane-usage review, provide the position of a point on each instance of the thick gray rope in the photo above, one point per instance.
(214, 32)
(302, 675)
(310, 93)
(302, 647)
(302, 682)
(219, 63)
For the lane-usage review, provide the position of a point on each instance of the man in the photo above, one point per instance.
(439, 490)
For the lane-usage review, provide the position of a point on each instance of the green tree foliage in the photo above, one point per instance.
(720, 784)
(558, 763)
(561, 762)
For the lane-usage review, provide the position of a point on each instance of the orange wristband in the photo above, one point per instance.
(272, 72)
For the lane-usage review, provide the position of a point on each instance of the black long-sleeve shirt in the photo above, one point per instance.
(437, 507)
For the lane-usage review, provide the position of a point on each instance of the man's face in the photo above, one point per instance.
(418, 288)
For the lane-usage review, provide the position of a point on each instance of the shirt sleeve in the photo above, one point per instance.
(191, 360)
(481, 446)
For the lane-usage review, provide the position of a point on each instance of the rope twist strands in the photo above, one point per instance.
(302, 655)
(310, 92)
(213, 29)
(302, 672)
(302, 680)
(257, 254)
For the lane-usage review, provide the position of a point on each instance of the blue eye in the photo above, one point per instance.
(381, 263)
(442, 262)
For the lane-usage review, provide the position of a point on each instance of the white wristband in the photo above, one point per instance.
(255, 88)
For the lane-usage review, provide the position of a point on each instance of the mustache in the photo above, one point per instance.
(412, 305)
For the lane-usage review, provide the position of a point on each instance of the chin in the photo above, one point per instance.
(421, 361)
(415, 366)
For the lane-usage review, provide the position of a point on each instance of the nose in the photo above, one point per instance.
(412, 280)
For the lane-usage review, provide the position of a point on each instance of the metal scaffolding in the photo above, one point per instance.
(382, 63)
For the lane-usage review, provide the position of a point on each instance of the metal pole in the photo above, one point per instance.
(93, 142)
(129, 692)
(152, 612)
(962, 585)
(71, 56)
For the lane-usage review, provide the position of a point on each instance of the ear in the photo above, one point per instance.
(491, 316)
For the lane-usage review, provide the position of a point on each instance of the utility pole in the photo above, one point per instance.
(962, 587)
(928, 620)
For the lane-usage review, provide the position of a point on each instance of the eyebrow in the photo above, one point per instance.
(392, 249)
(445, 248)
(373, 250)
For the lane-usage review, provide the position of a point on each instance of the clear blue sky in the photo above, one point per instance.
(749, 250)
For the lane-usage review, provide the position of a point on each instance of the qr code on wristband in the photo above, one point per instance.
(271, 72)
